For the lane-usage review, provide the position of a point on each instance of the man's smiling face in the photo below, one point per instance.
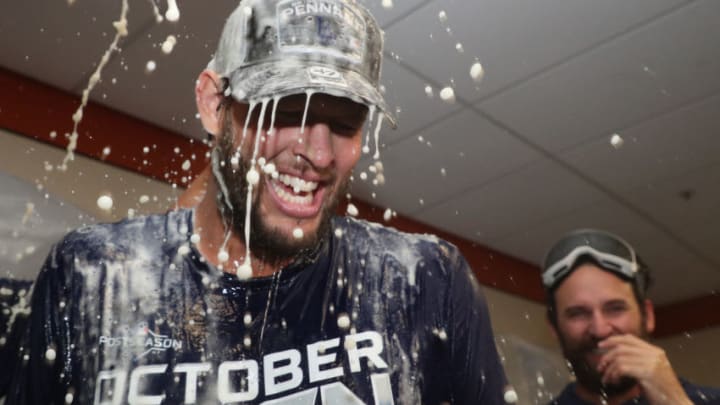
(592, 305)
(313, 167)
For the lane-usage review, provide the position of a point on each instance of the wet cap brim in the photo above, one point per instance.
(284, 78)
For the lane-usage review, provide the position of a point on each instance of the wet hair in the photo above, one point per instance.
(640, 285)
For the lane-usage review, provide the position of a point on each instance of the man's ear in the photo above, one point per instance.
(649, 316)
(208, 97)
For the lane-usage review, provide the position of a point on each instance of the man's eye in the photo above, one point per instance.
(345, 128)
(615, 309)
(577, 314)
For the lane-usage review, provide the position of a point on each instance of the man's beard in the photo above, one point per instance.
(587, 375)
(266, 243)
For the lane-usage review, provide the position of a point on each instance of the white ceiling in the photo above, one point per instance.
(519, 158)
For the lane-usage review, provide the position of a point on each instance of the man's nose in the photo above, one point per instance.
(600, 327)
(314, 144)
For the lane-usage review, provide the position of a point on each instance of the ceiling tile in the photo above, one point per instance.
(387, 11)
(60, 44)
(678, 273)
(165, 96)
(415, 111)
(689, 205)
(512, 40)
(668, 146)
(457, 154)
(704, 236)
(690, 199)
(508, 204)
(619, 84)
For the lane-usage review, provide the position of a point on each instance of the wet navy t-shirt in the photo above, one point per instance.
(698, 395)
(14, 310)
(131, 313)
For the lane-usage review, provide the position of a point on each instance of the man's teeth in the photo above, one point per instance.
(305, 199)
(297, 184)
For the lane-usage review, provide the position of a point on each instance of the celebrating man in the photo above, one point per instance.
(259, 294)
(597, 306)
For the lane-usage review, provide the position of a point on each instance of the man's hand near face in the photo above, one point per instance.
(630, 356)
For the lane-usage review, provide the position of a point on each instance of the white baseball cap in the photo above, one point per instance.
(275, 48)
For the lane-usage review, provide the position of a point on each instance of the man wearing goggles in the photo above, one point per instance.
(597, 306)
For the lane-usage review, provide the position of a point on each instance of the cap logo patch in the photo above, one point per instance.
(324, 27)
(325, 75)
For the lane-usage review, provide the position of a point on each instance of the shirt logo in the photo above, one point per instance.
(286, 377)
(141, 338)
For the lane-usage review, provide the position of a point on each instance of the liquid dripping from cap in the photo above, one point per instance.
(381, 116)
(309, 94)
(215, 161)
(366, 148)
(244, 271)
(247, 264)
(276, 101)
(251, 107)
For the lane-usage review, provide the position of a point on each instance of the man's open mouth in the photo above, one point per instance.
(294, 190)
